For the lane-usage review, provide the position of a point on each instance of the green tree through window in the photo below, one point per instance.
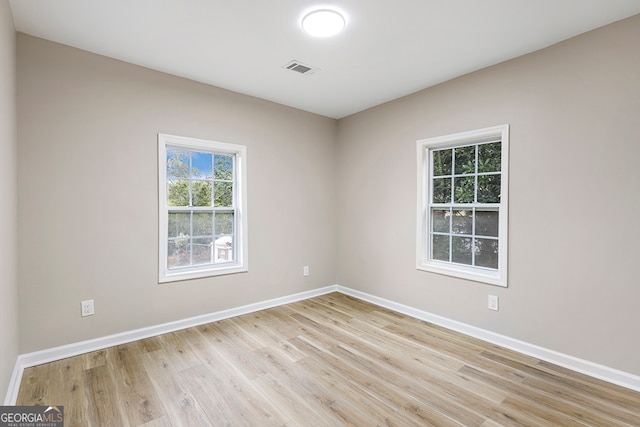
(466, 175)
(200, 192)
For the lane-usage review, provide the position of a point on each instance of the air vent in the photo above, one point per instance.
(299, 67)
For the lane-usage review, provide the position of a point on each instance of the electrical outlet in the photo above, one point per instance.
(493, 302)
(86, 308)
(305, 270)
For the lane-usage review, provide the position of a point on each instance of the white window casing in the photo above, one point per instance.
(213, 238)
(458, 233)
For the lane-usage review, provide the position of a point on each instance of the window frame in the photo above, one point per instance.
(425, 147)
(240, 264)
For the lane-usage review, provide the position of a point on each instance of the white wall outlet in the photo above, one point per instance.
(493, 302)
(305, 270)
(86, 308)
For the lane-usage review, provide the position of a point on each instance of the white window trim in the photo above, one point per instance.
(242, 262)
(423, 262)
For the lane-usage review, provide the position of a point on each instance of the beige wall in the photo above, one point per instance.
(8, 198)
(574, 200)
(88, 201)
(88, 195)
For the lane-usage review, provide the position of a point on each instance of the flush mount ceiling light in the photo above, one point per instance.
(323, 23)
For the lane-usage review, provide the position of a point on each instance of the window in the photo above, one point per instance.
(202, 200)
(462, 205)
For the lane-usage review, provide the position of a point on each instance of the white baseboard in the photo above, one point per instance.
(586, 367)
(56, 353)
(605, 373)
(14, 383)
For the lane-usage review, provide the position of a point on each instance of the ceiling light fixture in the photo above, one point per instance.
(323, 23)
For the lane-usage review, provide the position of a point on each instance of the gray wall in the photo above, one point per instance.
(88, 200)
(8, 198)
(574, 197)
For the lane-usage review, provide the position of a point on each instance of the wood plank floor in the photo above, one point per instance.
(332, 360)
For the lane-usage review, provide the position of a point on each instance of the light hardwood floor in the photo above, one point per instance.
(332, 360)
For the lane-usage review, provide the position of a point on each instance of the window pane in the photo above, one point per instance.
(178, 193)
(461, 250)
(177, 163)
(200, 229)
(202, 250)
(461, 212)
(489, 189)
(442, 162)
(442, 190)
(487, 253)
(201, 165)
(464, 187)
(202, 224)
(224, 223)
(179, 253)
(223, 248)
(179, 224)
(201, 193)
(489, 157)
(462, 222)
(223, 167)
(487, 223)
(465, 160)
(223, 194)
(440, 247)
(440, 219)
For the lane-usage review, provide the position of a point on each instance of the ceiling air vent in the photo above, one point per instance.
(299, 67)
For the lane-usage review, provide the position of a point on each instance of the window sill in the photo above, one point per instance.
(176, 276)
(489, 277)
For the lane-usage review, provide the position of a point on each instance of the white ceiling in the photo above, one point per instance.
(388, 49)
